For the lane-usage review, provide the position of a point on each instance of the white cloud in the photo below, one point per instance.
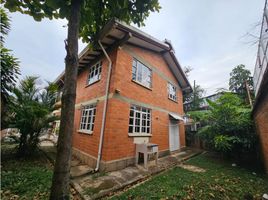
(205, 34)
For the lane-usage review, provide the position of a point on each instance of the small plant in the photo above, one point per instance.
(225, 143)
(100, 174)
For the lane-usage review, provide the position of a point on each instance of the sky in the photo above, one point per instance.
(210, 36)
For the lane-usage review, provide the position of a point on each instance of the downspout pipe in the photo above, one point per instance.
(105, 107)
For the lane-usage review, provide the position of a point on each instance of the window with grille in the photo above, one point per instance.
(141, 73)
(172, 92)
(94, 73)
(87, 118)
(139, 120)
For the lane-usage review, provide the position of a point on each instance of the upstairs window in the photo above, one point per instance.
(172, 92)
(139, 120)
(94, 73)
(87, 118)
(141, 73)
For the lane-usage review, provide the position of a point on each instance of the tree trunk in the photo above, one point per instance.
(61, 175)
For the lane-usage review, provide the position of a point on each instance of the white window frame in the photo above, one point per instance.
(139, 120)
(137, 73)
(87, 119)
(94, 73)
(171, 96)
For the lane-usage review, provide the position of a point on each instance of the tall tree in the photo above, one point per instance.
(9, 69)
(85, 19)
(239, 77)
(195, 97)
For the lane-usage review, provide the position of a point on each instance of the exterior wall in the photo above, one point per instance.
(262, 55)
(118, 147)
(88, 143)
(158, 95)
(260, 79)
(261, 121)
(118, 144)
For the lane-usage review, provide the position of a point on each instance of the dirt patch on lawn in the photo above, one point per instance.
(192, 168)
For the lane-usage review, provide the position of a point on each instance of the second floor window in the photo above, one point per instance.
(141, 73)
(172, 92)
(94, 73)
(87, 118)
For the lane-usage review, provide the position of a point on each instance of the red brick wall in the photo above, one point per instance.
(85, 142)
(117, 144)
(261, 121)
(158, 95)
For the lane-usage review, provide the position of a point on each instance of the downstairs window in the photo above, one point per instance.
(139, 120)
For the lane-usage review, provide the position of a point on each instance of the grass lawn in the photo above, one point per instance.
(24, 178)
(219, 181)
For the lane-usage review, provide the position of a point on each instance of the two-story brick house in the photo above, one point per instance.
(132, 94)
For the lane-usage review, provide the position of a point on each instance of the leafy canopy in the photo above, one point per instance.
(94, 14)
(9, 69)
(195, 97)
(4, 24)
(238, 77)
(229, 125)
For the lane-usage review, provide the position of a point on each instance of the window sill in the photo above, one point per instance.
(139, 135)
(92, 83)
(173, 100)
(85, 132)
(141, 84)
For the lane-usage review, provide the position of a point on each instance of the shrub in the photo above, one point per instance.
(230, 128)
(32, 109)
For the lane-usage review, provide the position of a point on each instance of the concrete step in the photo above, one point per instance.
(80, 170)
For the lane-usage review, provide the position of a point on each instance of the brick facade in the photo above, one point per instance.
(261, 122)
(118, 147)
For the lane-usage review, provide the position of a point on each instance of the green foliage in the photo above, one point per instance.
(238, 77)
(32, 109)
(194, 97)
(225, 143)
(9, 72)
(4, 24)
(94, 14)
(220, 181)
(9, 69)
(201, 116)
(230, 128)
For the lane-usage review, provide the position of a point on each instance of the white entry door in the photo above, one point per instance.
(174, 139)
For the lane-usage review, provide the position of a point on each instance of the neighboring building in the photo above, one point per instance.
(204, 104)
(260, 79)
(57, 106)
(144, 98)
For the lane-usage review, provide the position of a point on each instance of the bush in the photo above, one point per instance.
(229, 128)
(32, 109)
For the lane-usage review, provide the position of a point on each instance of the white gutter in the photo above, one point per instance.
(105, 106)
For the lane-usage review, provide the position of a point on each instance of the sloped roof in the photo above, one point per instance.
(116, 32)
